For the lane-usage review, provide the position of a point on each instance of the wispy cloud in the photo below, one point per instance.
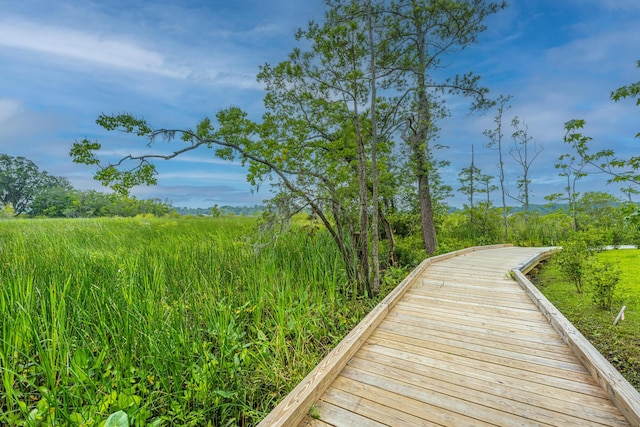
(18, 122)
(105, 50)
(616, 5)
(9, 108)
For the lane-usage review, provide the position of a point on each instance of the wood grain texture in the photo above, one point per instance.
(460, 343)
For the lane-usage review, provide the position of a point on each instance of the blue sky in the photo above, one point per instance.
(174, 62)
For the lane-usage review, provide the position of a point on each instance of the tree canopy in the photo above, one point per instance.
(336, 111)
(21, 181)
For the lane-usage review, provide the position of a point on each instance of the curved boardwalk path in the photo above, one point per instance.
(459, 343)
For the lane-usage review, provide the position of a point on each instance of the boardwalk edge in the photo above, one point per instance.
(624, 396)
(295, 406)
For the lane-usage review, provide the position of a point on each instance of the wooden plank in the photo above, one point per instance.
(443, 389)
(480, 317)
(485, 327)
(506, 288)
(294, 407)
(487, 295)
(415, 354)
(311, 422)
(598, 410)
(624, 396)
(478, 314)
(449, 343)
(451, 334)
(337, 416)
(487, 373)
(428, 414)
(406, 386)
(470, 270)
(387, 415)
(522, 362)
(494, 338)
(464, 306)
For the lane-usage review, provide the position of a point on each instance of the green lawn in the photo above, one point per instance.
(619, 344)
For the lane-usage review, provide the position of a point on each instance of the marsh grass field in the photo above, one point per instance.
(620, 344)
(176, 321)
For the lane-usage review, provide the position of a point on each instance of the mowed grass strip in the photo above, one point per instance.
(620, 343)
(176, 321)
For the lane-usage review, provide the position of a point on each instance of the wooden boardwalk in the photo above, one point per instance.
(461, 343)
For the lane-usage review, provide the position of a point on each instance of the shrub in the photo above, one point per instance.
(7, 212)
(410, 250)
(404, 224)
(572, 258)
(603, 278)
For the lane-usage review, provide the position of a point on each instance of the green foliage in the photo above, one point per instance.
(572, 258)
(471, 227)
(62, 203)
(215, 211)
(619, 344)
(173, 321)
(117, 419)
(629, 91)
(618, 168)
(21, 181)
(603, 279)
(410, 250)
(7, 211)
(84, 152)
(404, 224)
(602, 217)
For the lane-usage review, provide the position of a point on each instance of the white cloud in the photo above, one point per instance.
(85, 46)
(9, 108)
(616, 5)
(17, 122)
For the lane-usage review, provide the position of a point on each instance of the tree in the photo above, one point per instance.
(597, 209)
(619, 169)
(629, 192)
(327, 89)
(524, 153)
(325, 141)
(474, 182)
(21, 180)
(572, 172)
(375, 181)
(468, 178)
(495, 142)
(312, 138)
(53, 200)
(425, 31)
(487, 188)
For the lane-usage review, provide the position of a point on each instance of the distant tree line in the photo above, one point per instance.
(25, 190)
(221, 210)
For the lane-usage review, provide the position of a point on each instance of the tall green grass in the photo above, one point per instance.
(174, 321)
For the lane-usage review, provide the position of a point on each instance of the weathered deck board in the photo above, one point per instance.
(459, 343)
